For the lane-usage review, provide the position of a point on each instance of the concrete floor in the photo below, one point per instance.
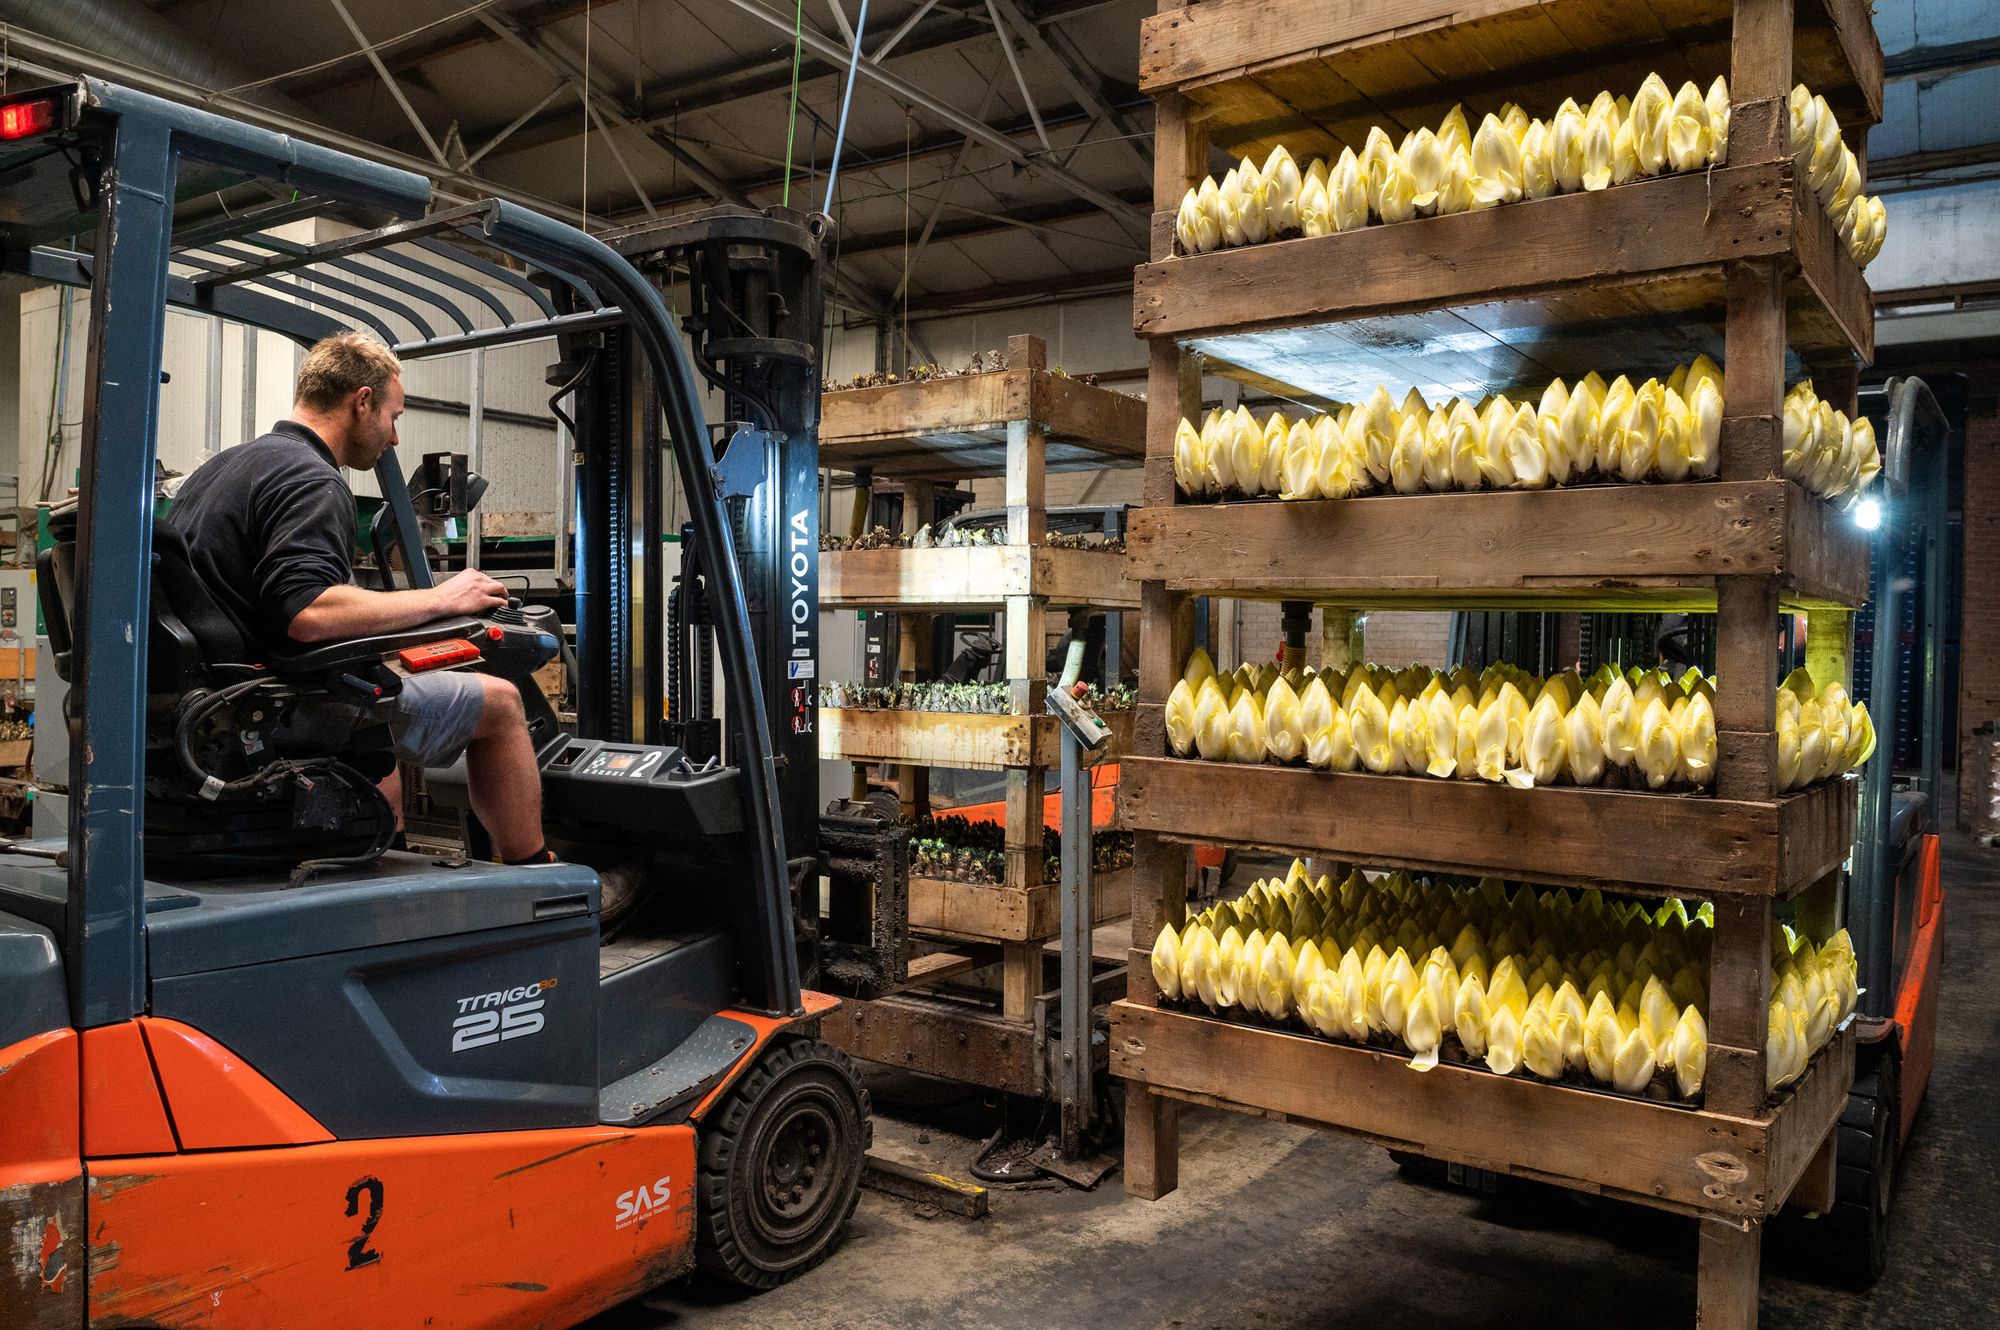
(1276, 1227)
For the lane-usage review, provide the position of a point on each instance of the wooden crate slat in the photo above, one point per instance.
(973, 577)
(1570, 250)
(937, 1038)
(1840, 313)
(961, 404)
(983, 912)
(1658, 1154)
(957, 426)
(950, 739)
(1521, 543)
(1074, 410)
(1519, 50)
(1693, 845)
(931, 738)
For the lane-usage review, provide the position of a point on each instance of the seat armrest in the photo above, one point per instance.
(507, 647)
(354, 651)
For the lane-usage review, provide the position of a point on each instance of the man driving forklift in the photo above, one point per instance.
(270, 528)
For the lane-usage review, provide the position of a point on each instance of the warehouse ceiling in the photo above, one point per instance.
(996, 150)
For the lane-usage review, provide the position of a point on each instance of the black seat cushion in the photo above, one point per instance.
(188, 600)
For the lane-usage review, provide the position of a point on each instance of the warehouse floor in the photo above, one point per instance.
(1278, 1227)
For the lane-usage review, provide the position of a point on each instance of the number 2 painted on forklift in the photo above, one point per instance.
(359, 1253)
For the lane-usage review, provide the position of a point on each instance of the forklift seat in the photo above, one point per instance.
(264, 764)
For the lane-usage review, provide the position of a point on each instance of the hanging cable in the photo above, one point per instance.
(584, 209)
(908, 122)
(792, 122)
(846, 101)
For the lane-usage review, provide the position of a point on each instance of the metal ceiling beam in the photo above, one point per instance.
(1077, 286)
(886, 159)
(518, 121)
(409, 111)
(543, 51)
(1049, 217)
(944, 185)
(1123, 212)
(66, 60)
(902, 31)
(466, 33)
(720, 89)
(1074, 70)
(1020, 79)
(840, 19)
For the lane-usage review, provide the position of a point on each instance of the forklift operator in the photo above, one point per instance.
(270, 528)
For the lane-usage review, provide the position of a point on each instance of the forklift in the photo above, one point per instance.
(1894, 899)
(255, 1067)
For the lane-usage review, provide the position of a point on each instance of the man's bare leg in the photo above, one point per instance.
(506, 782)
(391, 787)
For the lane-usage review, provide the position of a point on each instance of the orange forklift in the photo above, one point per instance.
(258, 1069)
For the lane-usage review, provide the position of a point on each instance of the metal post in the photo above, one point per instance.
(565, 500)
(249, 428)
(475, 401)
(1073, 1077)
(128, 305)
(1871, 892)
(211, 443)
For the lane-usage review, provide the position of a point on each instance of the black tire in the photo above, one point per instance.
(780, 1165)
(1857, 1247)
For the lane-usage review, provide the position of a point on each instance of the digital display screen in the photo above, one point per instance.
(621, 761)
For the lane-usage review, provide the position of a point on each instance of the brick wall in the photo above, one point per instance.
(1979, 641)
(1408, 637)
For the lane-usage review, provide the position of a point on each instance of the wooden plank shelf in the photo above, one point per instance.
(957, 427)
(949, 738)
(1018, 424)
(1536, 289)
(989, 912)
(973, 577)
(937, 1037)
(1613, 547)
(1316, 76)
(1689, 1160)
(1620, 840)
(1739, 261)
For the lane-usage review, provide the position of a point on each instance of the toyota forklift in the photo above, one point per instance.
(258, 1069)
(1895, 897)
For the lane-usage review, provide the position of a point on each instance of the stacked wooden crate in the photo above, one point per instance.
(1740, 259)
(1018, 424)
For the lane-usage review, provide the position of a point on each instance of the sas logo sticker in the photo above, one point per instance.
(643, 1202)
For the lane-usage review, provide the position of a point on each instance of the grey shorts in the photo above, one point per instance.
(436, 716)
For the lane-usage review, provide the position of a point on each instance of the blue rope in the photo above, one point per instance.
(846, 101)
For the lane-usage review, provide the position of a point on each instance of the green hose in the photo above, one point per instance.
(792, 125)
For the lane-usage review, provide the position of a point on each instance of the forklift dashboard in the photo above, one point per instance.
(651, 793)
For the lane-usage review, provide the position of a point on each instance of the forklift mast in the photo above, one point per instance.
(753, 318)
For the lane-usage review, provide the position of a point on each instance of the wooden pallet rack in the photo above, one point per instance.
(1019, 423)
(1738, 260)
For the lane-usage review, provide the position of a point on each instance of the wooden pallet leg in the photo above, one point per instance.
(1020, 978)
(1152, 1143)
(1726, 1285)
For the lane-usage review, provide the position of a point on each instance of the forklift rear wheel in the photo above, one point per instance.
(780, 1165)
(1865, 1176)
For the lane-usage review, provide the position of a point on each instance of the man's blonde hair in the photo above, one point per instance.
(338, 365)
